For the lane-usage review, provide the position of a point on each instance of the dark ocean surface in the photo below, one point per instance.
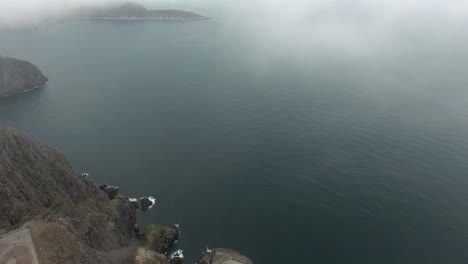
(315, 154)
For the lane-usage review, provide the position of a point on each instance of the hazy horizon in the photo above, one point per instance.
(32, 11)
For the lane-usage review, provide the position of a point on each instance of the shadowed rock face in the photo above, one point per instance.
(17, 76)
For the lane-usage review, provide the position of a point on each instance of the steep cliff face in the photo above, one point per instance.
(34, 179)
(76, 217)
(17, 76)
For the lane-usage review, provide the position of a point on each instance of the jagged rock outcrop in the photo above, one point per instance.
(18, 76)
(111, 191)
(221, 255)
(36, 182)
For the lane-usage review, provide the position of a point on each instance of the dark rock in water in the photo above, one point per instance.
(146, 203)
(160, 238)
(111, 191)
(222, 255)
(18, 76)
(177, 257)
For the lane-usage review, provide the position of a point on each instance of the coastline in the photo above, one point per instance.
(147, 18)
(70, 219)
(34, 88)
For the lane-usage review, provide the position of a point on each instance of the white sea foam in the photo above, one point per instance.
(207, 250)
(152, 199)
(178, 254)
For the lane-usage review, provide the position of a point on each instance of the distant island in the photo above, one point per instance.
(134, 11)
(18, 76)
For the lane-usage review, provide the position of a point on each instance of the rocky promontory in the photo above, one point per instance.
(71, 219)
(18, 76)
(222, 256)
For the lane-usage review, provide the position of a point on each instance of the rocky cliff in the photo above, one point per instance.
(39, 189)
(17, 76)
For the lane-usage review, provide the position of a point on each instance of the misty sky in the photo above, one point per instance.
(280, 28)
(21, 10)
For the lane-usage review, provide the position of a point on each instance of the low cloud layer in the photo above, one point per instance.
(349, 26)
(22, 10)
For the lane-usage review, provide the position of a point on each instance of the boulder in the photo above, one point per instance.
(145, 203)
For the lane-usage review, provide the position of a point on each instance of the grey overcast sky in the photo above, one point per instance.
(20, 10)
(280, 27)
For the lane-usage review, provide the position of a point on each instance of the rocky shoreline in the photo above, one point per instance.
(72, 220)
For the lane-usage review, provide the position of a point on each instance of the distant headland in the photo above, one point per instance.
(18, 76)
(134, 11)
